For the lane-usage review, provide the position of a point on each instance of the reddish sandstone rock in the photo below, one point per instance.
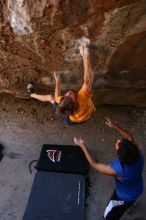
(39, 37)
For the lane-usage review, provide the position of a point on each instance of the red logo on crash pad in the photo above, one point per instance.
(54, 155)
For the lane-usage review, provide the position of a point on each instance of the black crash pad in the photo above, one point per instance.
(62, 158)
(56, 196)
(1, 154)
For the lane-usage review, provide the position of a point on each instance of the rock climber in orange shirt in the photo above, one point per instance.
(75, 107)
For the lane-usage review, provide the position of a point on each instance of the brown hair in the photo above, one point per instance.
(66, 106)
(128, 152)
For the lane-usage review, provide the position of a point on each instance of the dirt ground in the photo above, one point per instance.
(27, 124)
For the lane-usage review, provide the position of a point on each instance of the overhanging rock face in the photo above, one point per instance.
(40, 37)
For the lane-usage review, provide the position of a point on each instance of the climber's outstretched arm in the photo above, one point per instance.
(57, 85)
(88, 71)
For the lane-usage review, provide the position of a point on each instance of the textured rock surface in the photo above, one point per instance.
(41, 36)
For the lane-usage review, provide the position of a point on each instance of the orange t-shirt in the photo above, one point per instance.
(85, 106)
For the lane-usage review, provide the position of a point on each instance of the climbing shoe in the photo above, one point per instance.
(30, 88)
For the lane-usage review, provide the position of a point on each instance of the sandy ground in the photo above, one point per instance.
(27, 124)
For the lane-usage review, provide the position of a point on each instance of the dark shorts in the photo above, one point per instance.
(66, 117)
(116, 207)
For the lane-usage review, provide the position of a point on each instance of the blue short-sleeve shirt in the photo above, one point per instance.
(130, 185)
